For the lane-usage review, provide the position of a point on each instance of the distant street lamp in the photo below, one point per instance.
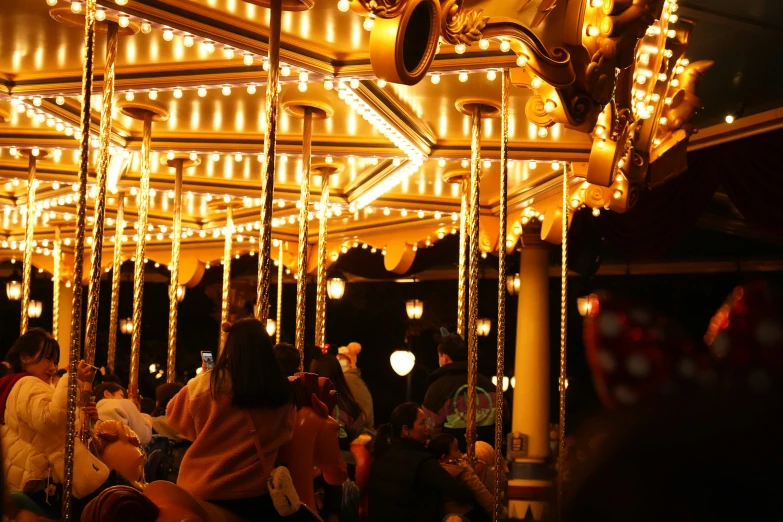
(402, 362)
(126, 326)
(34, 309)
(271, 327)
(483, 326)
(180, 293)
(512, 284)
(13, 289)
(414, 308)
(335, 287)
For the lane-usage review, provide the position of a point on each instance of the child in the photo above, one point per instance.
(113, 404)
(446, 449)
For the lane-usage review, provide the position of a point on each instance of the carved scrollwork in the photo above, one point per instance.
(383, 8)
(459, 25)
(536, 113)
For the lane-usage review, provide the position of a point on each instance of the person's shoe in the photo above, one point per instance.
(282, 492)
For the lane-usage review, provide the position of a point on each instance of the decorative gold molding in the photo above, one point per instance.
(461, 26)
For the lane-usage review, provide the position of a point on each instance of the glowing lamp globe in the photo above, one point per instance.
(34, 309)
(13, 289)
(180, 293)
(588, 305)
(402, 362)
(512, 284)
(414, 308)
(271, 327)
(126, 326)
(335, 287)
(483, 326)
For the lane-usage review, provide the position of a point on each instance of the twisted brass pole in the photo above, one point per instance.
(475, 176)
(28, 244)
(84, 160)
(138, 268)
(171, 359)
(501, 345)
(320, 302)
(463, 268)
(93, 295)
(301, 266)
(268, 179)
(229, 236)
(57, 255)
(563, 335)
(280, 270)
(115, 281)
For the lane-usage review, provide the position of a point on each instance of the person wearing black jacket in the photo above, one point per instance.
(407, 483)
(446, 399)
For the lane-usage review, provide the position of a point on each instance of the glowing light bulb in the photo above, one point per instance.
(121, 2)
(729, 119)
(532, 165)
(193, 156)
(12, 151)
(285, 70)
(170, 155)
(35, 152)
(617, 194)
(354, 83)
(593, 30)
(237, 157)
(641, 80)
(302, 86)
(671, 33)
(484, 44)
(328, 159)
(251, 89)
(247, 59)
(178, 93)
(123, 20)
(463, 76)
(202, 91)
(543, 132)
(226, 90)
(37, 101)
(460, 48)
(663, 121)
(369, 23)
(492, 74)
(51, 3)
(129, 96)
(228, 53)
(596, 3)
(596, 212)
(328, 84)
(505, 46)
(487, 163)
(215, 156)
(146, 27)
(435, 78)
(441, 162)
(550, 105)
(100, 15)
(60, 126)
(153, 94)
(265, 64)
(521, 60)
(188, 40)
(76, 7)
(536, 82)
(168, 35)
(675, 83)
(343, 5)
(556, 165)
(381, 83)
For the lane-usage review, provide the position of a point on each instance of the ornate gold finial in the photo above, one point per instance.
(458, 25)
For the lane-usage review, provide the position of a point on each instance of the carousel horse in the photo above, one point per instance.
(314, 445)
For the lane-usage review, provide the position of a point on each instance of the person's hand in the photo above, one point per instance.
(85, 372)
(91, 410)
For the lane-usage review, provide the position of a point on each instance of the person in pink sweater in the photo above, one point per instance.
(244, 400)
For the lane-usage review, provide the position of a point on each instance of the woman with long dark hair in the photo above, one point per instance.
(407, 482)
(233, 413)
(348, 412)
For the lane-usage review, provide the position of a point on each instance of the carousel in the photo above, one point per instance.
(187, 134)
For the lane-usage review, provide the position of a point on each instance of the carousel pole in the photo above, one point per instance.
(301, 266)
(462, 266)
(320, 303)
(268, 177)
(563, 338)
(147, 112)
(57, 255)
(280, 271)
(115, 281)
(93, 295)
(28, 239)
(475, 175)
(84, 159)
(229, 236)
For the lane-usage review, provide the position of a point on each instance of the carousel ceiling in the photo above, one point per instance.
(395, 147)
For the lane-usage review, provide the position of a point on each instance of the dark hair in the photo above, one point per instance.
(111, 387)
(453, 346)
(440, 445)
(329, 367)
(35, 342)
(256, 379)
(62, 371)
(163, 395)
(109, 377)
(287, 357)
(403, 415)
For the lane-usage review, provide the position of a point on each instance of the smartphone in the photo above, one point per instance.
(209, 360)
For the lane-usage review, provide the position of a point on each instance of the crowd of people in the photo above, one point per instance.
(231, 422)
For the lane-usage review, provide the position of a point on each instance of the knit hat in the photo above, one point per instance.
(351, 351)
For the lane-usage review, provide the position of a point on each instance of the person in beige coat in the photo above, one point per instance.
(347, 356)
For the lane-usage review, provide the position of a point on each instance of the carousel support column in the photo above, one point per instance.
(320, 304)
(229, 236)
(501, 346)
(529, 484)
(115, 281)
(268, 176)
(147, 112)
(563, 338)
(28, 237)
(301, 266)
(280, 270)
(463, 268)
(81, 208)
(57, 265)
(64, 321)
(91, 327)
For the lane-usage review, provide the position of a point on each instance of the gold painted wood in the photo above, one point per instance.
(28, 243)
(115, 282)
(304, 206)
(320, 302)
(224, 301)
(176, 230)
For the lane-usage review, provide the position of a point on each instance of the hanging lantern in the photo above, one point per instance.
(506, 382)
(126, 326)
(414, 308)
(588, 305)
(271, 327)
(483, 326)
(180, 293)
(34, 309)
(335, 287)
(512, 284)
(402, 362)
(13, 289)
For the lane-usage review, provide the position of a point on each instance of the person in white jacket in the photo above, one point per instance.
(113, 404)
(34, 416)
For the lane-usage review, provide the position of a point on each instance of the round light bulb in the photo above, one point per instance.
(265, 64)
(543, 132)
(121, 2)
(193, 156)
(146, 27)
(153, 94)
(492, 74)
(100, 15)
(369, 23)
(675, 83)
(521, 60)
(285, 70)
(505, 46)
(35, 152)
(532, 165)
(381, 83)
(463, 76)
(60, 126)
(593, 30)
(208, 46)
(663, 121)
(354, 83)
(247, 59)
(596, 212)
(76, 7)
(302, 86)
(617, 194)
(123, 20)
(215, 157)
(129, 96)
(237, 158)
(170, 155)
(187, 40)
(556, 165)
(484, 44)
(226, 90)
(37, 101)
(51, 3)
(487, 164)
(460, 48)
(251, 89)
(228, 53)
(673, 19)
(202, 91)
(328, 159)
(729, 119)
(178, 93)
(303, 76)
(328, 84)
(550, 105)
(596, 3)
(168, 35)
(435, 78)
(343, 5)
(536, 82)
